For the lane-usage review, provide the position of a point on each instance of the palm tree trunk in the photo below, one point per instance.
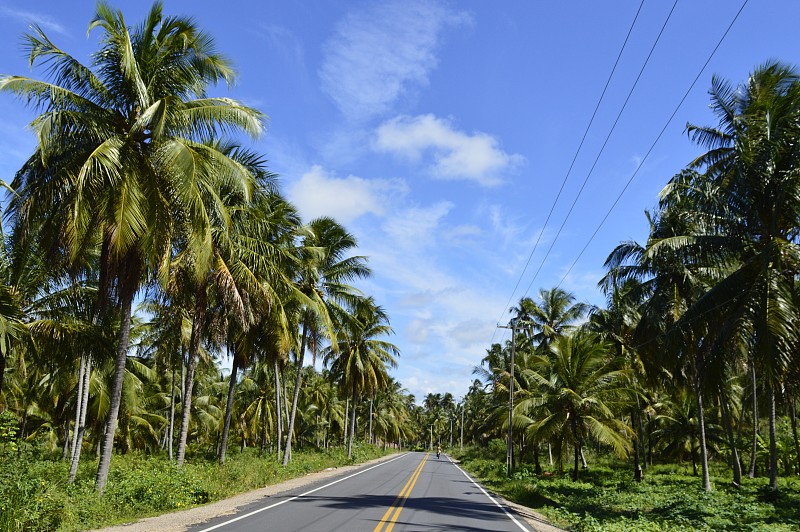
(346, 420)
(229, 407)
(773, 439)
(577, 447)
(171, 430)
(577, 461)
(754, 448)
(637, 466)
(728, 422)
(701, 427)
(78, 402)
(2, 370)
(371, 399)
(287, 455)
(65, 447)
(284, 401)
(81, 422)
(264, 425)
(641, 437)
(194, 349)
(278, 415)
(127, 291)
(637, 445)
(352, 428)
(793, 415)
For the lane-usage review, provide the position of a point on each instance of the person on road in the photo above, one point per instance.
(438, 451)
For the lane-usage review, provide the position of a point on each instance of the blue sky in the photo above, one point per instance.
(440, 133)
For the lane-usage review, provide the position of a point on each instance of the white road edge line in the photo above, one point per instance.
(220, 525)
(489, 496)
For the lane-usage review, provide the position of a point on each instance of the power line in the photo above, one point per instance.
(572, 164)
(603, 147)
(653, 145)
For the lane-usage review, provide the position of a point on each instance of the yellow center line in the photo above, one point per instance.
(397, 506)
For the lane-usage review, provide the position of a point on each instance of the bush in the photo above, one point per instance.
(8, 433)
(497, 449)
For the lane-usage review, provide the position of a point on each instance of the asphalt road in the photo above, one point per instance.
(414, 491)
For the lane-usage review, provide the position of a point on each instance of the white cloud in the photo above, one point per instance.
(456, 155)
(470, 332)
(317, 193)
(382, 53)
(418, 331)
(416, 228)
(28, 17)
(439, 376)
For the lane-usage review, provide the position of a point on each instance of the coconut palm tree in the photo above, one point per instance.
(120, 162)
(323, 275)
(582, 391)
(616, 324)
(360, 359)
(552, 317)
(747, 188)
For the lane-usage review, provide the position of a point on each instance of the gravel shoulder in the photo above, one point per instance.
(182, 520)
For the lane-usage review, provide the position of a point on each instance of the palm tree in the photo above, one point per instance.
(360, 358)
(121, 158)
(583, 388)
(552, 317)
(677, 428)
(322, 277)
(616, 324)
(541, 324)
(749, 191)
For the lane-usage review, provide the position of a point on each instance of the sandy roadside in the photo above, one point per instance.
(182, 520)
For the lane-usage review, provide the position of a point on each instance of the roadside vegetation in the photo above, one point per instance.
(35, 496)
(669, 498)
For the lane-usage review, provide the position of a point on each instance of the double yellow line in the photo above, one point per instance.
(396, 507)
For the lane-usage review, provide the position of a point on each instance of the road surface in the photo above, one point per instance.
(414, 491)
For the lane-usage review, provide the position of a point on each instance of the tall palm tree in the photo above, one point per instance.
(322, 277)
(120, 162)
(750, 173)
(360, 359)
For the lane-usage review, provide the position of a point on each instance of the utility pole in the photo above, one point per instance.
(510, 444)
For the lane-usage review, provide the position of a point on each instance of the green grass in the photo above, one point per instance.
(35, 496)
(669, 498)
